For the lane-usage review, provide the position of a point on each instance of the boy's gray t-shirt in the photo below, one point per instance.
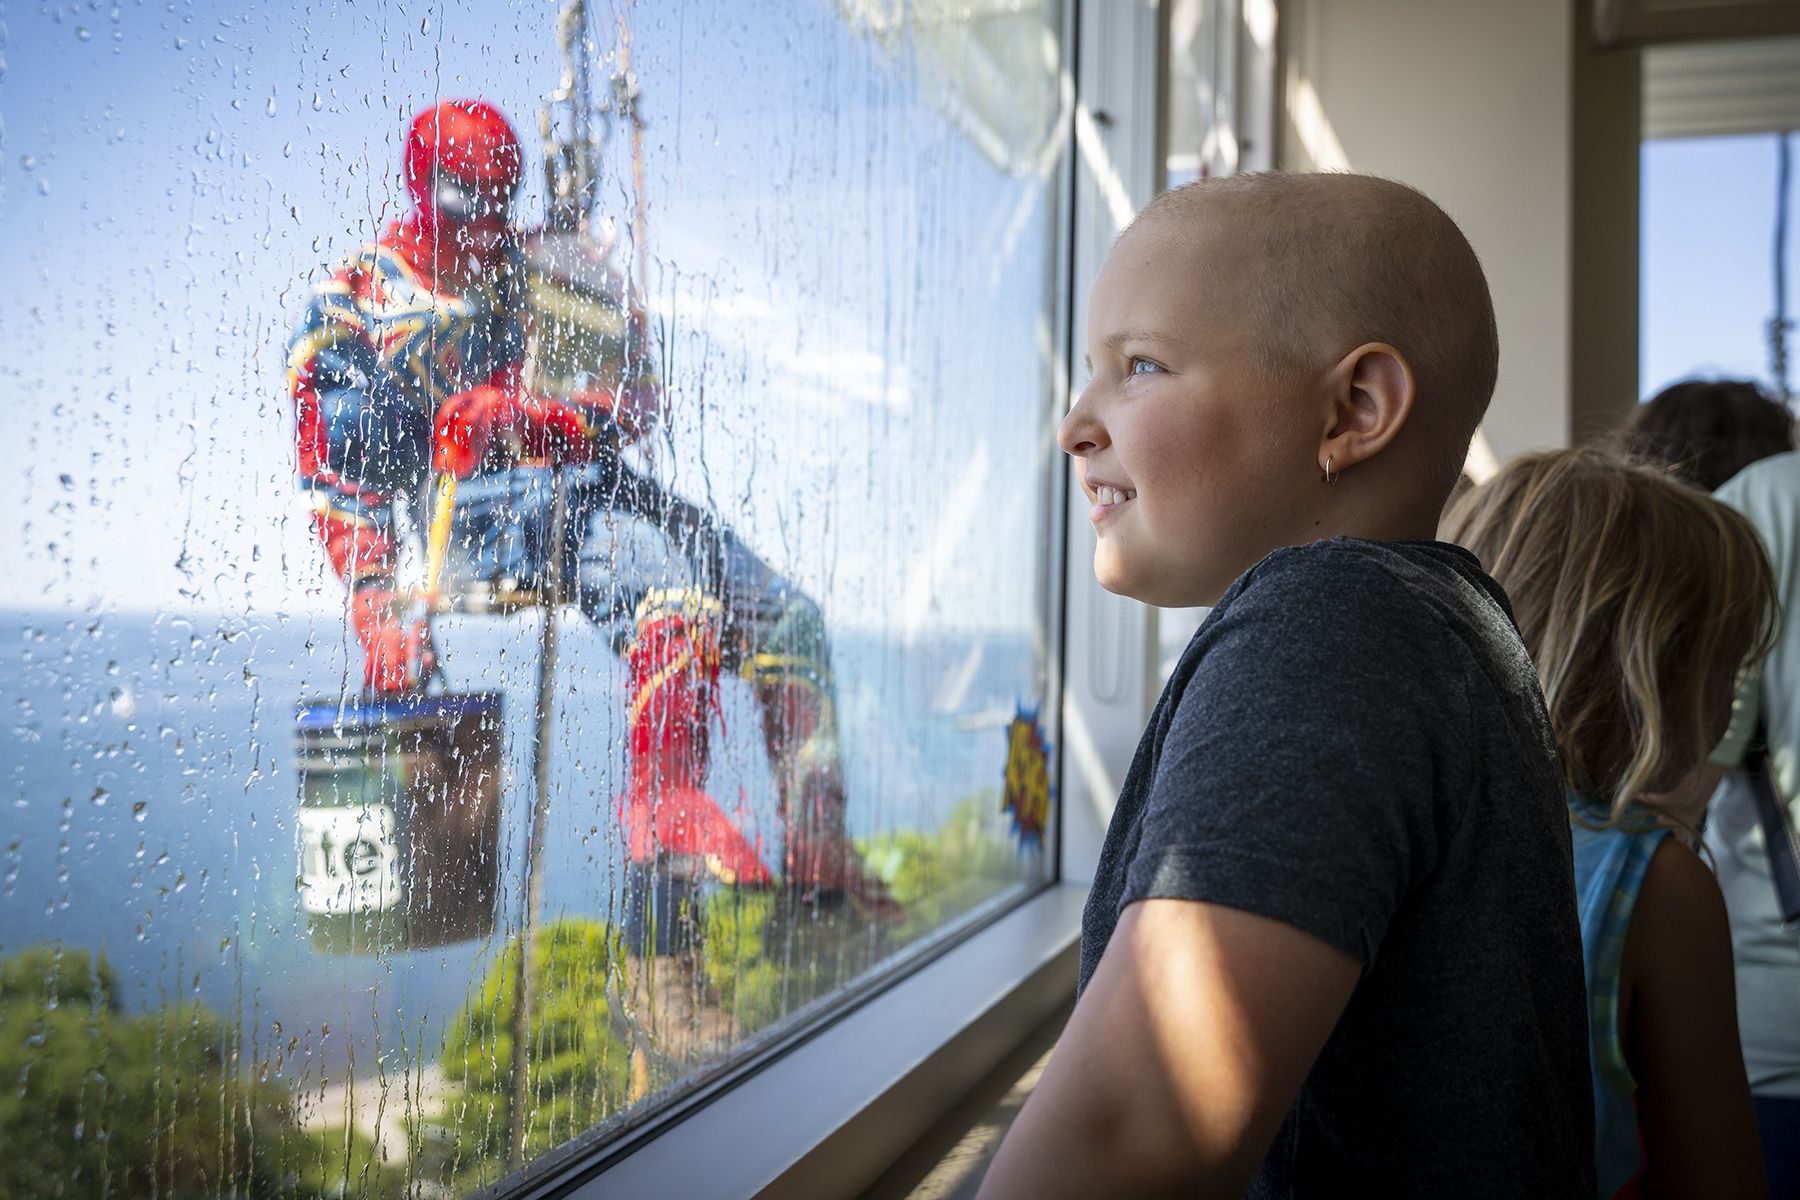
(1354, 743)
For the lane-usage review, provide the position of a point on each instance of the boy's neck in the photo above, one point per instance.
(1390, 522)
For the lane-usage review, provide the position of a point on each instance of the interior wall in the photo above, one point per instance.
(1471, 102)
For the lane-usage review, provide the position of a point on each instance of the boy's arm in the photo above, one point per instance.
(1181, 1059)
(1681, 1036)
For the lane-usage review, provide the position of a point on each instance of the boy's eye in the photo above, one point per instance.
(1143, 366)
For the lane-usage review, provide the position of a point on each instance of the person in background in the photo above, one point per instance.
(1728, 437)
(1640, 599)
(1331, 946)
(1767, 955)
(1707, 430)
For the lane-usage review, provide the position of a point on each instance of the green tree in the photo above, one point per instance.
(577, 1062)
(101, 1103)
(936, 875)
(735, 957)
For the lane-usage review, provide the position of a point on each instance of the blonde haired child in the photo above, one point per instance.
(1639, 600)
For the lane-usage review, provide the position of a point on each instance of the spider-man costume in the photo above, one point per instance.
(412, 358)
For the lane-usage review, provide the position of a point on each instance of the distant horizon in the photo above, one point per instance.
(569, 613)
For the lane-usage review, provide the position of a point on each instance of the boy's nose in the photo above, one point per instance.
(1080, 434)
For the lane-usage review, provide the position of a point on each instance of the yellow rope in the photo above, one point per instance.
(438, 544)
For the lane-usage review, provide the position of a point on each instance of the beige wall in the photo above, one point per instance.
(1469, 101)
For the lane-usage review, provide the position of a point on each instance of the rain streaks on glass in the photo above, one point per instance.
(530, 549)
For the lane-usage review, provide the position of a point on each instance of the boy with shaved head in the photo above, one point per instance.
(1331, 946)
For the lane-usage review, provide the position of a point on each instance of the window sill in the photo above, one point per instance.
(827, 1117)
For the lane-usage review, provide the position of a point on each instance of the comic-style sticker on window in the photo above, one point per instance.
(1028, 792)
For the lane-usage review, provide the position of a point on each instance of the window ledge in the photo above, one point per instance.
(827, 1117)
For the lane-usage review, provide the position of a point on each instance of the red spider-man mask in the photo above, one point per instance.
(463, 164)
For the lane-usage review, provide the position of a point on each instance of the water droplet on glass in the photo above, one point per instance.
(100, 797)
(137, 810)
(269, 108)
(81, 32)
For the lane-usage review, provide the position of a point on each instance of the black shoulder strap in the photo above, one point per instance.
(1778, 830)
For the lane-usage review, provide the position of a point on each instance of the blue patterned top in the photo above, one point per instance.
(1609, 872)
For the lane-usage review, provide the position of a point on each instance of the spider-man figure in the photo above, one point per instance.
(413, 359)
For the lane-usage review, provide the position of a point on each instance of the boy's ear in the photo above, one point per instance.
(1372, 394)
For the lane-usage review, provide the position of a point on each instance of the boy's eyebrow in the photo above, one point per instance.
(1113, 341)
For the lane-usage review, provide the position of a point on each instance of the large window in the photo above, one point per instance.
(520, 605)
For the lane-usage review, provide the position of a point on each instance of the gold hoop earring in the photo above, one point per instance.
(1330, 477)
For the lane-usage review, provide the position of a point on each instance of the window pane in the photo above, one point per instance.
(519, 603)
(1709, 236)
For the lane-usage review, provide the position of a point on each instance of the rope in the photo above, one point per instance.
(627, 100)
(1779, 324)
(437, 544)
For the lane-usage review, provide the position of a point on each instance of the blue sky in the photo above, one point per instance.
(851, 291)
(1708, 224)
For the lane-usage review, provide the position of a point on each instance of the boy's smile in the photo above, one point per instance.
(1194, 460)
(1108, 498)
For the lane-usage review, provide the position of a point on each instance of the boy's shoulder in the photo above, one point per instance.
(1366, 592)
(1412, 567)
(1349, 631)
